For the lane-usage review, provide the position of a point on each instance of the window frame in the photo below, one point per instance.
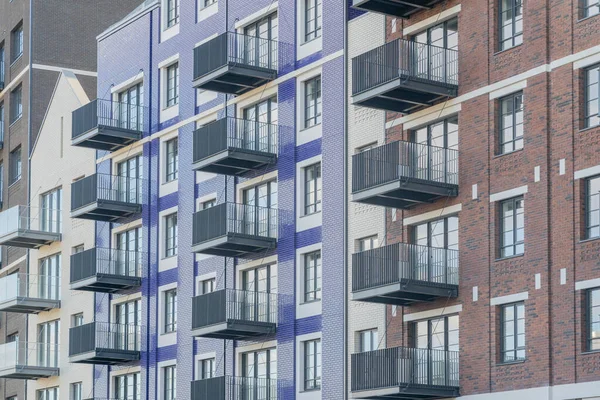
(515, 335)
(313, 20)
(514, 35)
(16, 104)
(316, 364)
(207, 285)
(171, 235)
(315, 292)
(373, 339)
(51, 213)
(313, 100)
(203, 364)
(172, 160)
(589, 321)
(15, 166)
(170, 299)
(172, 85)
(205, 205)
(588, 210)
(373, 242)
(501, 142)
(313, 200)
(172, 8)
(586, 97)
(208, 3)
(169, 375)
(586, 5)
(18, 33)
(514, 201)
(76, 391)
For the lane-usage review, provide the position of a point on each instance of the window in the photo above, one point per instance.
(76, 391)
(593, 319)
(313, 19)
(207, 286)
(2, 74)
(368, 340)
(128, 387)
(312, 276)
(171, 235)
(17, 42)
(513, 332)
(366, 148)
(171, 311)
(312, 102)
(206, 368)
(257, 219)
(172, 159)
(442, 134)
(130, 109)
(129, 244)
(431, 59)
(1, 183)
(260, 365)
(170, 378)
(431, 263)
(48, 286)
(209, 2)
(262, 279)
(77, 319)
(592, 208)
(511, 23)
(590, 7)
(1, 116)
(51, 211)
(368, 243)
(209, 204)
(312, 189)
(47, 394)
(173, 85)
(511, 123)
(48, 334)
(130, 188)
(16, 104)
(12, 338)
(172, 13)
(15, 165)
(12, 398)
(312, 364)
(512, 223)
(437, 333)
(260, 126)
(442, 35)
(591, 108)
(77, 249)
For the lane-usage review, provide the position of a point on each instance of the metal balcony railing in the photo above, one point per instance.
(104, 261)
(404, 59)
(30, 227)
(405, 367)
(110, 114)
(401, 261)
(104, 336)
(27, 359)
(29, 293)
(238, 388)
(399, 160)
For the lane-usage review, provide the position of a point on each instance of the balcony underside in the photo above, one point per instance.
(29, 239)
(398, 8)
(234, 161)
(405, 193)
(26, 372)
(234, 245)
(28, 305)
(235, 329)
(105, 357)
(404, 95)
(409, 392)
(106, 210)
(406, 292)
(106, 283)
(107, 138)
(235, 79)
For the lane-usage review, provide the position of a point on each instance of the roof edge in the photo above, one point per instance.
(141, 10)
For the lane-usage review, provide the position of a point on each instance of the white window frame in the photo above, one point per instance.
(164, 339)
(305, 222)
(167, 112)
(114, 373)
(202, 357)
(304, 310)
(165, 263)
(167, 32)
(305, 48)
(166, 188)
(300, 360)
(161, 376)
(306, 135)
(202, 278)
(204, 12)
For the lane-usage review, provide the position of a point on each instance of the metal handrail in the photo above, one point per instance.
(109, 113)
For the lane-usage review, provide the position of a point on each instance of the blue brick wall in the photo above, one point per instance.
(136, 47)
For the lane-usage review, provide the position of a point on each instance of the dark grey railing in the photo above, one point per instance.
(406, 59)
(109, 113)
(397, 160)
(99, 260)
(404, 366)
(237, 134)
(106, 187)
(104, 335)
(238, 388)
(230, 304)
(233, 218)
(236, 48)
(390, 264)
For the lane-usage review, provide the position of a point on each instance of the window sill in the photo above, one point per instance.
(588, 17)
(589, 240)
(311, 214)
(169, 32)
(306, 303)
(500, 364)
(15, 60)
(310, 390)
(590, 352)
(14, 183)
(509, 257)
(509, 49)
(589, 128)
(509, 153)
(208, 11)
(15, 121)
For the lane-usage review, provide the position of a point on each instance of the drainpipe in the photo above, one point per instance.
(225, 177)
(345, 207)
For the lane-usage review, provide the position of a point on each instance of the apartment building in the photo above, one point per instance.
(487, 171)
(33, 57)
(220, 171)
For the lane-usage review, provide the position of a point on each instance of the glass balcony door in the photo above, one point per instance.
(48, 278)
(431, 158)
(259, 125)
(431, 45)
(258, 45)
(434, 338)
(129, 110)
(129, 187)
(258, 218)
(128, 319)
(129, 250)
(128, 387)
(51, 211)
(48, 334)
(259, 375)
(256, 283)
(431, 263)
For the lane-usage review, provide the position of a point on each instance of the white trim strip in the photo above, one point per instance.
(429, 118)
(515, 87)
(60, 69)
(511, 298)
(588, 284)
(591, 59)
(6, 270)
(435, 214)
(507, 194)
(274, 6)
(166, 62)
(587, 172)
(13, 82)
(208, 39)
(129, 82)
(436, 19)
(438, 312)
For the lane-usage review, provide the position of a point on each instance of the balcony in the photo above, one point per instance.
(405, 373)
(404, 174)
(402, 274)
(241, 388)
(104, 343)
(403, 76)
(23, 360)
(234, 230)
(234, 63)
(102, 197)
(107, 270)
(107, 125)
(29, 293)
(29, 227)
(396, 8)
(234, 314)
(232, 146)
